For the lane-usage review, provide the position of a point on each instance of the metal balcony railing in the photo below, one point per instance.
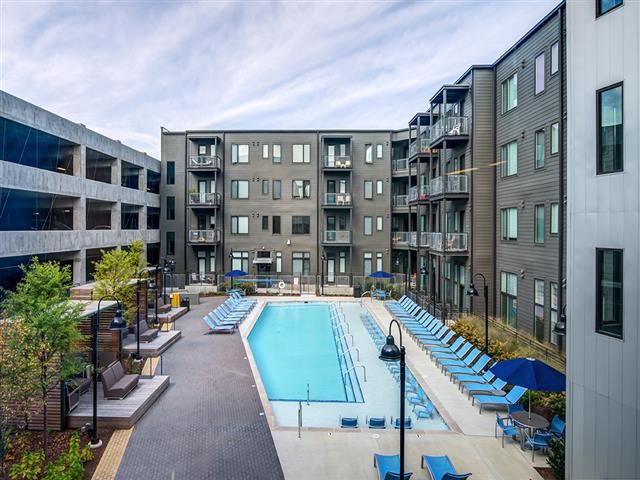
(400, 238)
(197, 198)
(399, 165)
(418, 193)
(337, 161)
(420, 145)
(449, 127)
(449, 184)
(204, 161)
(423, 237)
(204, 236)
(399, 200)
(337, 199)
(453, 242)
(337, 236)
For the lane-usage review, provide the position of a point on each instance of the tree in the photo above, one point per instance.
(50, 321)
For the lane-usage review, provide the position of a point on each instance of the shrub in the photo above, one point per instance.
(31, 467)
(555, 458)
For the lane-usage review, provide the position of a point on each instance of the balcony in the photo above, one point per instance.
(204, 162)
(414, 237)
(450, 129)
(204, 236)
(337, 200)
(420, 146)
(399, 201)
(453, 242)
(336, 237)
(399, 166)
(454, 186)
(400, 239)
(204, 199)
(337, 162)
(418, 194)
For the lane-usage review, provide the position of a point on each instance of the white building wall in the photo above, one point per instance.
(603, 431)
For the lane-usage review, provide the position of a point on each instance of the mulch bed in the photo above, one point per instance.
(546, 473)
(58, 443)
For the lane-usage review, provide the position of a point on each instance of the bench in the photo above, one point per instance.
(116, 384)
(146, 334)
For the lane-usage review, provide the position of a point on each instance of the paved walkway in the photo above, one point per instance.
(207, 425)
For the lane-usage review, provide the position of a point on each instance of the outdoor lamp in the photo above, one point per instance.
(152, 285)
(560, 327)
(118, 322)
(472, 291)
(390, 351)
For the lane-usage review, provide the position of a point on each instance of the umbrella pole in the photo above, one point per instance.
(529, 404)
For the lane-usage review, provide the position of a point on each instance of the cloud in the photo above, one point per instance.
(127, 68)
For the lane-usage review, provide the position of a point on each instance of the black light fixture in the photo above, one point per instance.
(136, 357)
(472, 291)
(560, 327)
(153, 286)
(323, 259)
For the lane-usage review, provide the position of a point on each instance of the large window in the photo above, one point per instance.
(239, 188)
(540, 141)
(509, 298)
(368, 226)
(171, 173)
(379, 262)
(510, 93)
(301, 189)
(265, 187)
(610, 136)
(379, 223)
(509, 159)
(240, 260)
(301, 263)
(538, 227)
(555, 57)
(379, 151)
(301, 153)
(368, 153)
(509, 223)
(171, 243)
(265, 222)
(276, 192)
(379, 186)
(553, 310)
(368, 189)
(275, 224)
(239, 153)
(171, 208)
(278, 262)
(367, 264)
(265, 151)
(609, 293)
(277, 153)
(240, 225)
(538, 309)
(300, 225)
(540, 73)
(555, 137)
(604, 6)
(553, 223)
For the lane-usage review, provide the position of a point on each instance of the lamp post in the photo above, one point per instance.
(323, 259)
(118, 323)
(560, 328)
(153, 286)
(231, 266)
(165, 271)
(136, 357)
(391, 353)
(473, 292)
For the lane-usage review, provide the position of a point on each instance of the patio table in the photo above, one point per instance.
(536, 422)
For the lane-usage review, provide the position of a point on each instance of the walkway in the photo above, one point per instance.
(207, 424)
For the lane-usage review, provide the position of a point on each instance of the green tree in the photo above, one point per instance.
(50, 320)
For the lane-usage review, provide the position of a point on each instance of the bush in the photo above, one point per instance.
(498, 350)
(555, 458)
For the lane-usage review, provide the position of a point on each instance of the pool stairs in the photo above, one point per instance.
(345, 348)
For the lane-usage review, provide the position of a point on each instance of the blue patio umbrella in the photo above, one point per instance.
(235, 273)
(530, 373)
(380, 274)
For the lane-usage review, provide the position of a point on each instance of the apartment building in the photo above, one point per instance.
(603, 327)
(67, 192)
(277, 202)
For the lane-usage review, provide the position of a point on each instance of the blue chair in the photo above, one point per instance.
(557, 427)
(512, 397)
(348, 422)
(424, 411)
(476, 368)
(539, 440)
(506, 428)
(461, 352)
(217, 321)
(441, 468)
(389, 467)
(486, 377)
(483, 388)
(213, 328)
(407, 423)
(459, 362)
(377, 422)
(443, 342)
(446, 348)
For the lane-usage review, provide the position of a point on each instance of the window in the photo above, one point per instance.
(379, 187)
(265, 151)
(379, 223)
(540, 73)
(538, 234)
(368, 226)
(301, 189)
(239, 188)
(610, 135)
(378, 151)
(265, 222)
(240, 225)
(342, 262)
(604, 6)
(379, 262)
(301, 153)
(240, 261)
(301, 263)
(509, 298)
(276, 193)
(609, 299)
(538, 309)
(277, 154)
(510, 93)
(265, 187)
(202, 149)
(540, 140)
(367, 263)
(171, 173)
(171, 208)
(509, 223)
(553, 297)
(368, 153)
(278, 262)
(555, 130)
(300, 225)
(510, 159)
(275, 224)
(171, 243)
(553, 227)
(239, 153)
(368, 190)
(555, 50)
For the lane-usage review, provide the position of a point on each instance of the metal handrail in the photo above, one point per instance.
(364, 371)
(348, 350)
(337, 340)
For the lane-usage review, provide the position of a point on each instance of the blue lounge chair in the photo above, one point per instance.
(377, 422)
(436, 333)
(215, 320)
(477, 367)
(557, 427)
(389, 467)
(424, 411)
(512, 397)
(446, 348)
(507, 429)
(403, 305)
(227, 311)
(486, 377)
(539, 440)
(459, 362)
(461, 352)
(407, 423)
(482, 388)
(348, 422)
(213, 328)
(223, 317)
(443, 342)
(441, 468)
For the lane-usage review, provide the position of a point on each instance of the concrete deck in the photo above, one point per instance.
(154, 348)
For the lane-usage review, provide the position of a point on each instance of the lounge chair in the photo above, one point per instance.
(348, 422)
(461, 352)
(389, 467)
(477, 367)
(486, 377)
(507, 429)
(221, 321)
(377, 422)
(213, 328)
(445, 348)
(407, 423)
(424, 411)
(512, 397)
(441, 468)
(443, 342)
(223, 314)
(459, 362)
(474, 388)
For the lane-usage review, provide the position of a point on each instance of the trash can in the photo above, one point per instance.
(185, 301)
(175, 300)
(357, 291)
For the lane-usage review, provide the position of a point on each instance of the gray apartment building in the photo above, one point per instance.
(67, 192)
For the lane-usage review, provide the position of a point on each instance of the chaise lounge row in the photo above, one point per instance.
(226, 317)
(439, 467)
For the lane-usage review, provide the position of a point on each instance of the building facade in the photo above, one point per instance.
(603, 328)
(67, 192)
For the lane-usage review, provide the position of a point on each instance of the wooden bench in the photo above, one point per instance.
(116, 384)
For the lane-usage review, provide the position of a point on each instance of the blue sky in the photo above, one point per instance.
(126, 68)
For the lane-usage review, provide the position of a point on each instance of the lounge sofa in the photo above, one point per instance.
(147, 334)
(115, 383)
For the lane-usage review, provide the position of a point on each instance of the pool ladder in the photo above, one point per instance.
(364, 371)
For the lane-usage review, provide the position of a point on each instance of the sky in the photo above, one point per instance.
(127, 68)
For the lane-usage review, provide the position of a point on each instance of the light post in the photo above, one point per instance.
(153, 286)
(473, 292)
(323, 259)
(118, 323)
(391, 353)
(136, 357)
(231, 266)
(165, 271)
(560, 328)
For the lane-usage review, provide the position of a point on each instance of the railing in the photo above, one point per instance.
(204, 236)
(197, 198)
(337, 161)
(453, 242)
(400, 238)
(449, 127)
(424, 239)
(364, 371)
(337, 199)
(399, 200)
(337, 236)
(449, 184)
(420, 145)
(399, 165)
(418, 193)
(204, 161)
